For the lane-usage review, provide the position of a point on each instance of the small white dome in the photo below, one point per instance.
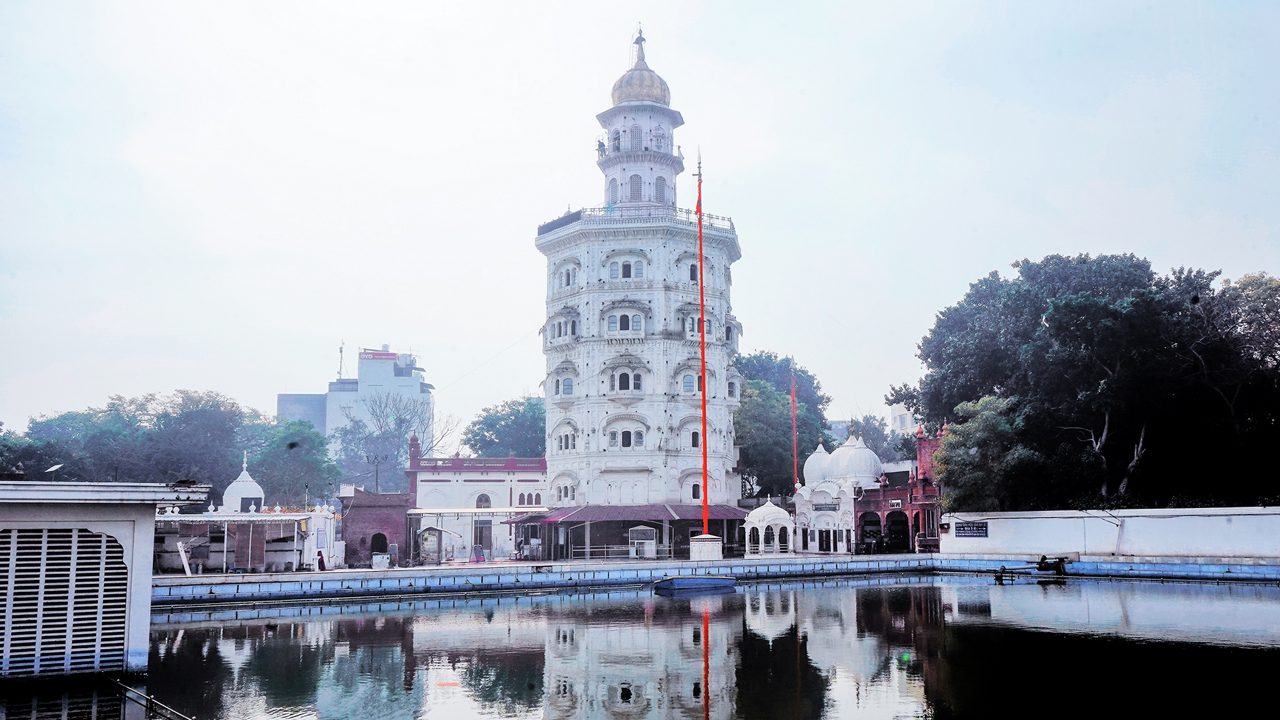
(853, 463)
(816, 466)
(768, 514)
(243, 492)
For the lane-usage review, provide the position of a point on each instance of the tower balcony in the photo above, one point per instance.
(637, 214)
(609, 158)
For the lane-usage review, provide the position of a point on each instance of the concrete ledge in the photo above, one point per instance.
(175, 590)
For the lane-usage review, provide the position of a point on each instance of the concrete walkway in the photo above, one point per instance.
(526, 576)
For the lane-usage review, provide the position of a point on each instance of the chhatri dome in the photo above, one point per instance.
(243, 492)
(640, 84)
(852, 464)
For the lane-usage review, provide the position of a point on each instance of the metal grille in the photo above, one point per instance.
(63, 593)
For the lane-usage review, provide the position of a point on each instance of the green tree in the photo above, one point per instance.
(762, 422)
(293, 463)
(1113, 368)
(875, 432)
(515, 428)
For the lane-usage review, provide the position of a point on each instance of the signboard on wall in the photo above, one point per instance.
(971, 529)
(371, 355)
(829, 507)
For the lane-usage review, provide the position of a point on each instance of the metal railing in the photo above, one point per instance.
(618, 552)
(624, 214)
(153, 708)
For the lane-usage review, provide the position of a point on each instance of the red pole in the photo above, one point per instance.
(706, 664)
(702, 353)
(795, 439)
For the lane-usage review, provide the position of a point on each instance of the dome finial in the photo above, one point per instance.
(244, 463)
(639, 43)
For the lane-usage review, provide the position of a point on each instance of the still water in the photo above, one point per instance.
(895, 647)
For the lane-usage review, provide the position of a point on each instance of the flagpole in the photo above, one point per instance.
(795, 439)
(702, 354)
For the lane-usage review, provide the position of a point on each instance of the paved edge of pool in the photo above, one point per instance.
(178, 589)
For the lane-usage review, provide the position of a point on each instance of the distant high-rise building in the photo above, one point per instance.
(386, 382)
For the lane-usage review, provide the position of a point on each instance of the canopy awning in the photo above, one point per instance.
(634, 513)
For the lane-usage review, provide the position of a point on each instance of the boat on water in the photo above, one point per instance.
(690, 583)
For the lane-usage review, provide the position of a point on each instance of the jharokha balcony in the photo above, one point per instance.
(639, 214)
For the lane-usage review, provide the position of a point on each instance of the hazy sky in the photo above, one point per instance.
(214, 195)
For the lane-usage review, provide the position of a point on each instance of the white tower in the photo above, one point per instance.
(621, 339)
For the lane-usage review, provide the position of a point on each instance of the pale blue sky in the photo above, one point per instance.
(213, 195)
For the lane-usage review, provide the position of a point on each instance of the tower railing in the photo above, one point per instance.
(641, 213)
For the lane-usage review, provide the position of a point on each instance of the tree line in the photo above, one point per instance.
(1096, 381)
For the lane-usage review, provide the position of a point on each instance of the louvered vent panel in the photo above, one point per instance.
(63, 593)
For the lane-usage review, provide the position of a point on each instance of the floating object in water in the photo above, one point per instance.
(695, 582)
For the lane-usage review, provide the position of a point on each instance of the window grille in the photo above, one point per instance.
(63, 593)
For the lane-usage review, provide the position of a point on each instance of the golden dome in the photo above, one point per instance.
(640, 83)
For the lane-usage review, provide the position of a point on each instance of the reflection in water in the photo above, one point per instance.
(888, 647)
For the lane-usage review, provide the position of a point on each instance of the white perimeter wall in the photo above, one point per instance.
(1204, 532)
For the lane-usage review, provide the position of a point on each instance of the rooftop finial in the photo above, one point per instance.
(244, 464)
(639, 43)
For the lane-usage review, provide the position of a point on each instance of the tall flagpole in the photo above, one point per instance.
(795, 439)
(702, 353)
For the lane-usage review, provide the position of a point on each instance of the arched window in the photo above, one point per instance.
(694, 439)
(573, 327)
(688, 383)
(484, 502)
(626, 436)
(693, 272)
(613, 323)
(697, 491)
(635, 381)
(613, 271)
(616, 141)
(560, 493)
(728, 333)
(568, 386)
(733, 389)
(626, 269)
(521, 500)
(557, 387)
(660, 190)
(537, 499)
(613, 438)
(638, 438)
(637, 138)
(624, 322)
(378, 543)
(636, 323)
(639, 269)
(613, 191)
(635, 188)
(624, 382)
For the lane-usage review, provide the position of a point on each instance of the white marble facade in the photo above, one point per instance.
(621, 335)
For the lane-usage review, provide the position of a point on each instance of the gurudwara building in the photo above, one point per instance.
(624, 437)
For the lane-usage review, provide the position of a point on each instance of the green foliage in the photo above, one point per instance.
(875, 432)
(763, 426)
(778, 371)
(1114, 368)
(187, 435)
(515, 428)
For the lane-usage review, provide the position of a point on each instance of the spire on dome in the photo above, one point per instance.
(244, 463)
(639, 43)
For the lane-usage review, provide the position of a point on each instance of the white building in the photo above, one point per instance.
(379, 374)
(621, 337)
(468, 502)
(826, 505)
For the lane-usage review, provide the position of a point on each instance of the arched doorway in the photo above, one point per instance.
(784, 541)
(378, 543)
(753, 541)
(897, 532)
(482, 531)
(769, 540)
(869, 540)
